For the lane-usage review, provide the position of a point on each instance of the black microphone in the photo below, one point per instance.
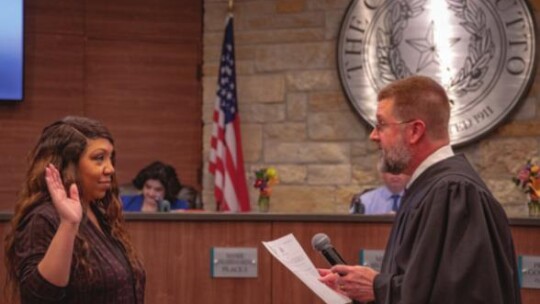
(321, 243)
(163, 205)
(357, 207)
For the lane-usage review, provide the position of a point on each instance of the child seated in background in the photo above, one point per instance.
(159, 186)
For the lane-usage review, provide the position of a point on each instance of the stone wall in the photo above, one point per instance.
(296, 117)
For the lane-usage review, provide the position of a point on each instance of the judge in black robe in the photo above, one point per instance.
(450, 243)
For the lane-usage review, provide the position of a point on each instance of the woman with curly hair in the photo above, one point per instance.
(159, 186)
(67, 242)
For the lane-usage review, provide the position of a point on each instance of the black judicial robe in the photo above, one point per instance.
(450, 242)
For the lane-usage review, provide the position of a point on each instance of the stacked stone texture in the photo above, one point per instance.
(296, 117)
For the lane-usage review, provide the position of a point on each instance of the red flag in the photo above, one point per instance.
(226, 157)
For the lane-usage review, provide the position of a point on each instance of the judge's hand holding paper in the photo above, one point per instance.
(354, 281)
(289, 252)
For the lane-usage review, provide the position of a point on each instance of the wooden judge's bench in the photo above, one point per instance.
(176, 250)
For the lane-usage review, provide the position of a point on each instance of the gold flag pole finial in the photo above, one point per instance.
(231, 6)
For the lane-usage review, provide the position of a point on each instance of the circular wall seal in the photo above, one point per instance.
(482, 52)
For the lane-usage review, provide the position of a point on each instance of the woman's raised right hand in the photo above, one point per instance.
(69, 208)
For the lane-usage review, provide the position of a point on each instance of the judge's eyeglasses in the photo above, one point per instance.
(379, 126)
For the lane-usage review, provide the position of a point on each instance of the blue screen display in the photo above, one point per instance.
(11, 49)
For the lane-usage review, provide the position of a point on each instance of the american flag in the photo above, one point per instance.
(226, 157)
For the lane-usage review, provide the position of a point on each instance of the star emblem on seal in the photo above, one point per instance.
(428, 48)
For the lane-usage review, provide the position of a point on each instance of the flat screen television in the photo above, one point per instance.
(11, 50)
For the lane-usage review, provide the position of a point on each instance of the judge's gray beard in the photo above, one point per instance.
(395, 160)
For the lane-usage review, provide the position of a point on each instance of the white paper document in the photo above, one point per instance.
(290, 253)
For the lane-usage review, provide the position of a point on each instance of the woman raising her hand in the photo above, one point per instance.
(67, 243)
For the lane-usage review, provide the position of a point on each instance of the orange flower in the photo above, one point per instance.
(528, 179)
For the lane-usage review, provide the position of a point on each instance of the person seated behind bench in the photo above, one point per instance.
(381, 200)
(160, 186)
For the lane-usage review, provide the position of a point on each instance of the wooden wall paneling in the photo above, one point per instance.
(177, 260)
(176, 255)
(58, 17)
(161, 82)
(53, 89)
(139, 89)
(169, 20)
(148, 79)
(53, 75)
(4, 226)
(526, 239)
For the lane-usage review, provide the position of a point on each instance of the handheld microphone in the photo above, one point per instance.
(321, 243)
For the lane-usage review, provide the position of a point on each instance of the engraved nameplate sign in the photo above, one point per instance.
(233, 262)
(371, 258)
(529, 267)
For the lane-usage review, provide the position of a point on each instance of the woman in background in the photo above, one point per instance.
(67, 243)
(159, 186)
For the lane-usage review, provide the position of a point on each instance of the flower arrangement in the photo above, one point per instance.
(264, 179)
(528, 179)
